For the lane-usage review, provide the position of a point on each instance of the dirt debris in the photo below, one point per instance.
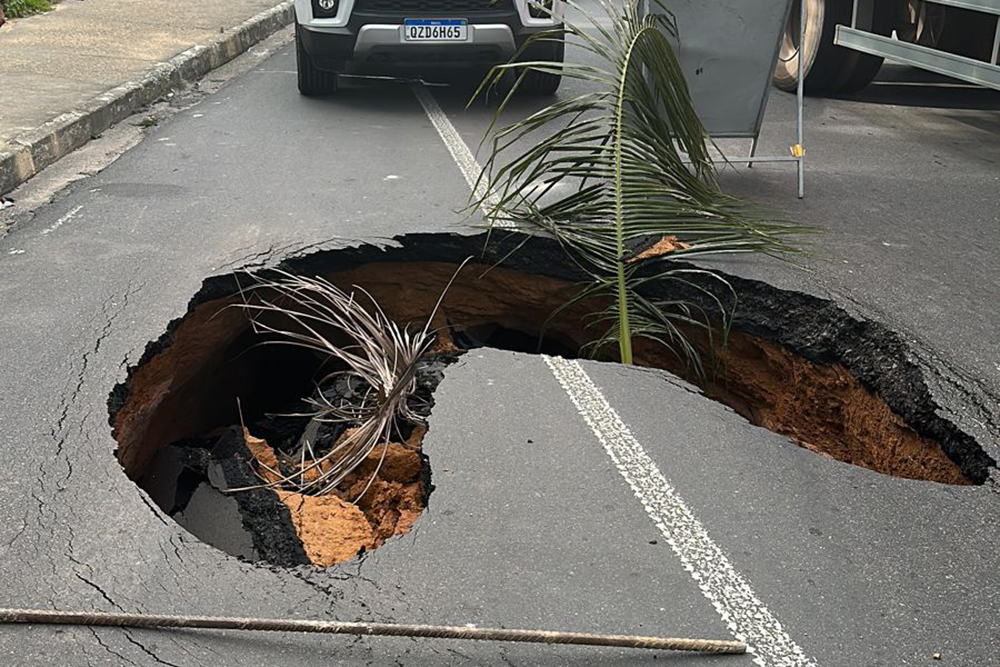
(444, 342)
(664, 246)
(399, 463)
(416, 436)
(267, 462)
(334, 529)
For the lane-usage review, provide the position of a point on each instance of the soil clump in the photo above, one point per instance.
(381, 498)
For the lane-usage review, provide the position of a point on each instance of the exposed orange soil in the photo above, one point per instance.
(331, 527)
(664, 246)
(332, 530)
(822, 407)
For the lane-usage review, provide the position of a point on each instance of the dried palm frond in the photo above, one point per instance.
(382, 356)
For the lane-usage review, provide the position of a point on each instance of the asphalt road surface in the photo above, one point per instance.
(639, 506)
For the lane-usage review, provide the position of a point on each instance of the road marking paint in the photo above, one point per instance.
(61, 221)
(747, 617)
(740, 608)
(460, 152)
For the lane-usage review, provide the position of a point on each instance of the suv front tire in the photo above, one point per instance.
(543, 83)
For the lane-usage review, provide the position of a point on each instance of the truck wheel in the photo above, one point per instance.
(920, 22)
(827, 68)
(858, 69)
(543, 83)
(967, 33)
(312, 81)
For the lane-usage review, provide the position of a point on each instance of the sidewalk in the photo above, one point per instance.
(68, 75)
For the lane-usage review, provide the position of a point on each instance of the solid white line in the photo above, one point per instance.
(747, 617)
(730, 594)
(460, 152)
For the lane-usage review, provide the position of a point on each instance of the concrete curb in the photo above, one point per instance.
(36, 149)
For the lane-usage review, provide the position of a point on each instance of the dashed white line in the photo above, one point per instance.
(61, 221)
(731, 595)
(460, 152)
(747, 617)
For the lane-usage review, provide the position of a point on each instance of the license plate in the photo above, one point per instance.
(435, 30)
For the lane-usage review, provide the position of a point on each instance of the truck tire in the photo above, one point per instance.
(858, 68)
(826, 68)
(967, 33)
(313, 82)
(856, 73)
(543, 83)
(920, 22)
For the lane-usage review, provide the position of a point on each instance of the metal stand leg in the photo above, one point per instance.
(996, 45)
(802, 179)
(753, 151)
(799, 96)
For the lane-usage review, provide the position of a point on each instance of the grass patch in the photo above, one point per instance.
(15, 9)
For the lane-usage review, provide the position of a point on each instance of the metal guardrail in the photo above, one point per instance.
(941, 62)
(988, 6)
(980, 72)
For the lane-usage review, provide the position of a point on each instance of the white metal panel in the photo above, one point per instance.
(727, 50)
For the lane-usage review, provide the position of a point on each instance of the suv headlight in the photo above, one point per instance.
(325, 9)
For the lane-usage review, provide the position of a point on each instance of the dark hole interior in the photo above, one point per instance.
(505, 338)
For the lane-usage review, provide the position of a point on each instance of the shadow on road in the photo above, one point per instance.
(430, 651)
(902, 85)
(454, 89)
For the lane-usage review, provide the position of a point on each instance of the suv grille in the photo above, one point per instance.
(443, 8)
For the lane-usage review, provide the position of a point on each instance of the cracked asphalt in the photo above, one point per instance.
(530, 524)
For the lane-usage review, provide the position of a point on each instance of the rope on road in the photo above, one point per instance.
(44, 616)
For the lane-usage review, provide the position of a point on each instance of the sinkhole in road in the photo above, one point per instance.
(206, 408)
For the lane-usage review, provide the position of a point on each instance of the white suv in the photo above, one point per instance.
(329, 34)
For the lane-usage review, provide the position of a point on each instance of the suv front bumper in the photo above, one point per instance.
(330, 48)
(365, 37)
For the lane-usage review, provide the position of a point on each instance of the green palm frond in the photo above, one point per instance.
(626, 162)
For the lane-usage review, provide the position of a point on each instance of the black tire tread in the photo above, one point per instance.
(543, 83)
(968, 33)
(858, 68)
(832, 68)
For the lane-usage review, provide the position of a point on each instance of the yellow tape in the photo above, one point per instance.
(798, 150)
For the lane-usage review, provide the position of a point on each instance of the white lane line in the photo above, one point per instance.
(747, 617)
(61, 221)
(460, 152)
(740, 608)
